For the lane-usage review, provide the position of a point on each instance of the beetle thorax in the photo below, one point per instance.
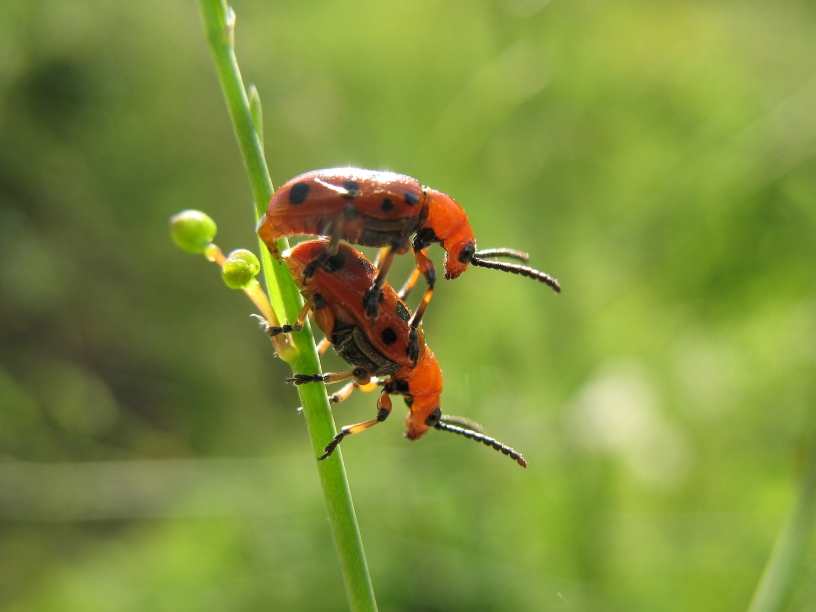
(444, 215)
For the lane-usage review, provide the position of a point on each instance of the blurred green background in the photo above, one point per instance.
(656, 157)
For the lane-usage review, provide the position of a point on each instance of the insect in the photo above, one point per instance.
(393, 347)
(382, 209)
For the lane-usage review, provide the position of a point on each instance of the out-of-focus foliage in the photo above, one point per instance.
(657, 157)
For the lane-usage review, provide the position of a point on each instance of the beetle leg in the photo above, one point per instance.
(337, 397)
(304, 312)
(323, 346)
(275, 330)
(282, 345)
(349, 213)
(344, 393)
(409, 285)
(360, 375)
(335, 232)
(425, 267)
(415, 320)
(383, 410)
(372, 297)
(380, 256)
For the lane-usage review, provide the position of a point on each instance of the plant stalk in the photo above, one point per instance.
(219, 23)
(774, 587)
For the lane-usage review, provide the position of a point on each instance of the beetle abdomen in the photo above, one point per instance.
(351, 344)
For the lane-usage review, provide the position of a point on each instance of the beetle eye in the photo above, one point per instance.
(467, 253)
(434, 417)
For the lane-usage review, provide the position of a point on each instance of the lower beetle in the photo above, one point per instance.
(393, 347)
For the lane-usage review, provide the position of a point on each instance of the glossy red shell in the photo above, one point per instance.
(383, 206)
(342, 289)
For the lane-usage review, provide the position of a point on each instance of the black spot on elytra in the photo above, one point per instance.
(366, 265)
(402, 312)
(335, 263)
(387, 205)
(352, 189)
(411, 198)
(298, 193)
(389, 336)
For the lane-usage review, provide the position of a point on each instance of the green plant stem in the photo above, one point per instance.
(219, 23)
(774, 586)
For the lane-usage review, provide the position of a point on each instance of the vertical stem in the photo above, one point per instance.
(219, 23)
(774, 586)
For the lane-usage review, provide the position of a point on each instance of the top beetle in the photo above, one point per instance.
(381, 209)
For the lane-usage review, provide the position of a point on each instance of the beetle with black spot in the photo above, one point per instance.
(391, 346)
(382, 209)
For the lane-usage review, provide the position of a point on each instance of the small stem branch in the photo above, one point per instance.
(219, 24)
(261, 301)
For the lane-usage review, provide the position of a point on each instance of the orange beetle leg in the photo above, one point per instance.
(426, 267)
(371, 299)
(344, 393)
(383, 410)
(380, 256)
(335, 232)
(409, 284)
(359, 374)
(323, 346)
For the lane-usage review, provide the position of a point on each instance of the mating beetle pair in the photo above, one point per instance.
(361, 315)
(382, 209)
(392, 346)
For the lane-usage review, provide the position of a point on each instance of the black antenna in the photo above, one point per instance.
(517, 269)
(474, 435)
(511, 253)
(461, 422)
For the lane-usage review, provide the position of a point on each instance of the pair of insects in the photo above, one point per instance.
(363, 317)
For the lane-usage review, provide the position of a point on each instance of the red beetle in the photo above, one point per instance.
(381, 209)
(392, 346)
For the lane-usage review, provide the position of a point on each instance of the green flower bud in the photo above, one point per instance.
(192, 230)
(240, 268)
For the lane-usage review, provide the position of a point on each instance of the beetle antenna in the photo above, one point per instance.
(511, 253)
(474, 435)
(517, 269)
(461, 422)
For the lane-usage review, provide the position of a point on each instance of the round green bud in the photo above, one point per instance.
(192, 230)
(240, 268)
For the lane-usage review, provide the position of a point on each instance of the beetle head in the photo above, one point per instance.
(460, 249)
(450, 226)
(424, 414)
